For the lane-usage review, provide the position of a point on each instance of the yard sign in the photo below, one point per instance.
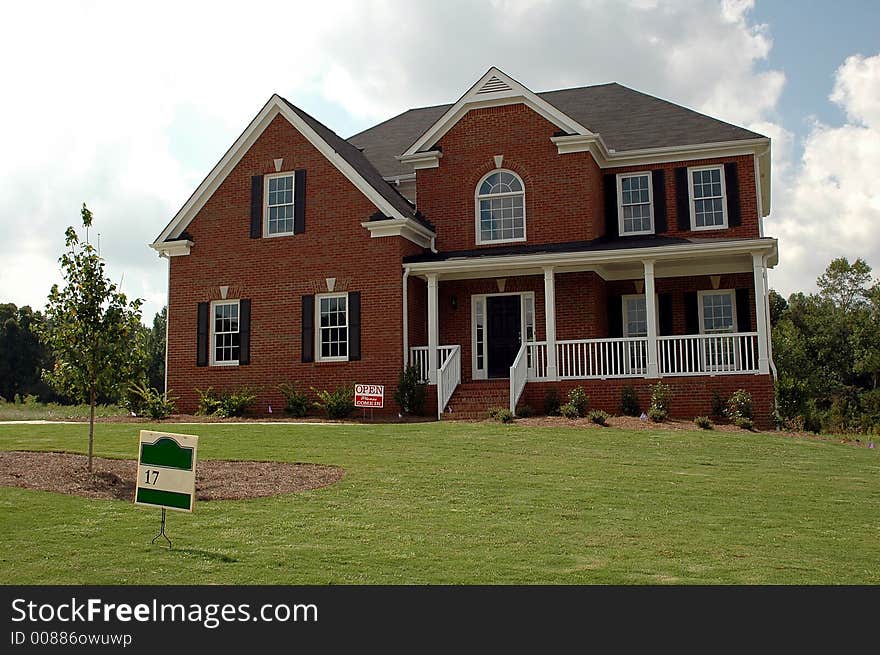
(369, 396)
(166, 474)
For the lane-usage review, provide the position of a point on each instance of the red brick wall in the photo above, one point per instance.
(692, 396)
(274, 273)
(564, 193)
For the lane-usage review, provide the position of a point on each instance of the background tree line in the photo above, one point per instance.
(24, 356)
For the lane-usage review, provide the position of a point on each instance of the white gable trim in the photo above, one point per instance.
(275, 106)
(494, 89)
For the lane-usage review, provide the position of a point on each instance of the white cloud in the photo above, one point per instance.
(829, 205)
(126, 106)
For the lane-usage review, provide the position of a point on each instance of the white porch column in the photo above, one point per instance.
(761, 313)
(433, 328)
(550, 320)
(653, 371)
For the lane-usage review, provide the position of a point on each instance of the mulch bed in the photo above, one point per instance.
(114, 478)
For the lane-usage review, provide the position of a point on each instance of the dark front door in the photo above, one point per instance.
(503, 335)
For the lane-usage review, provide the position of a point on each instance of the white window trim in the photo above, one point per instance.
(212, 343)
(620, 222)
(718, 292)
(477, 197)
(266, 178)
(483, 373)
(691, 199)
(623, 310)
(318, 298)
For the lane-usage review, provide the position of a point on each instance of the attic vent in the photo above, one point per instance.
(494, 85)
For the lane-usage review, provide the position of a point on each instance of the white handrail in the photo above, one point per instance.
(418, 357)
(448, 378)
(519, 371)
(713, 354)
(602, 358)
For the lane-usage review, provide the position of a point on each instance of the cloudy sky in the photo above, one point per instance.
(127, 106)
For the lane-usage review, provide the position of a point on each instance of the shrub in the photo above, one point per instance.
(494, 411)
(411, 391)
(661, 396)
(869, 401)
(717, 405)
(524, 411)
(743, 422)
(739, 406)
(225, 405)
(504, 415)
(551, 402)
(703, 422)
(599, 417)
(149, 401)
(296, 400)
(569, 411)
(629, 402)
(580, 400)
(336, 404)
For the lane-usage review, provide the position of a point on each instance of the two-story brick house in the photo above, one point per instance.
(506, 243)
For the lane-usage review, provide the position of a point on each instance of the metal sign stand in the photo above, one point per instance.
(162, 531)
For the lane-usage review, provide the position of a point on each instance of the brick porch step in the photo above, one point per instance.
(472, 400)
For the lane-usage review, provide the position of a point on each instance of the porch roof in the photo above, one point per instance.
(611, 258)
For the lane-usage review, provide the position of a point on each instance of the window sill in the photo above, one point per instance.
(636, 234)
(709, 228)
(223, 364)
(498, 241)
(279, 234)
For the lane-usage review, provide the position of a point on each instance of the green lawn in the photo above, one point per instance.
(470, 503)
(35, 411)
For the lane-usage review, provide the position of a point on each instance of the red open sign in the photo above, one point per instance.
(369, 395)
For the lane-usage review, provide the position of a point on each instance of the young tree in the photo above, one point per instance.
(92, 329)
(156, 351)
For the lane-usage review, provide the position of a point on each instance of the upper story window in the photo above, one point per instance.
(225, 335)
(278, 211)
(635, 206)
(333, 327)
(708, 201)
(501, 213)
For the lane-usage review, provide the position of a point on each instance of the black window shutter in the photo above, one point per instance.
(743, 311)
(682, 199)
(611, 229)
(299, 201)
(691, 313)
(202, 339)
(256, 206)
(244, 331)
(658, 182)
(308, 328)
(354, 326)
(664, 302)
(731, 187)
(615, 316)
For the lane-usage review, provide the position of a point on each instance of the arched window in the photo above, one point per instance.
(501, 208)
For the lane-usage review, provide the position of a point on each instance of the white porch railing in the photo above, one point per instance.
(448, 378)
(712, 354)
(537, 360)
(418, 356)
(519, 371)
(602, 358)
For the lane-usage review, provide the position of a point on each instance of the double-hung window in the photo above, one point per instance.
(500, 208)
(635, 206)
(718, 319)
(278, 210)
(708, 201)
(635, 324)
(332, 332)
(225, 336)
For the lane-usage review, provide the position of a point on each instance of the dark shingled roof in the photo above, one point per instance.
(358, 161)
(626, 120)
(600, 244)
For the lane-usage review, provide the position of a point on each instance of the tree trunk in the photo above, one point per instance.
(91, 427)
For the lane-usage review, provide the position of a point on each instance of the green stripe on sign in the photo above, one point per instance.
(167, 498)
(167, 452)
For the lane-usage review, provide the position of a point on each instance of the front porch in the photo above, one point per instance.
(638, 314)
